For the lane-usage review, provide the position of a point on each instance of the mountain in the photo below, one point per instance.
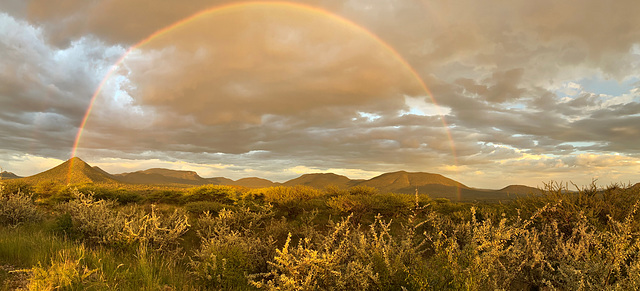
(321, 180)
(8, 176)
(102, 171)
(74, 171)
(218, 181)
(167, 176)
(253, 182)
(406, 182)
(161, 176)
(520, 190)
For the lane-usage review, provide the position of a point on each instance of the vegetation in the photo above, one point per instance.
(94, 237)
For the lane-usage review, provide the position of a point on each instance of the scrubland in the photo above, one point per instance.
(85, 237)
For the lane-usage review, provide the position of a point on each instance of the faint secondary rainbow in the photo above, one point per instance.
(266, 4)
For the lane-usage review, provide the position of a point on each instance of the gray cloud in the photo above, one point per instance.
(272, 90)
(44, 91)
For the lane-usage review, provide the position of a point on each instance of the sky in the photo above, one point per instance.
(489, 93)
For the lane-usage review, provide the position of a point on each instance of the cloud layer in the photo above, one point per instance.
(530, 91)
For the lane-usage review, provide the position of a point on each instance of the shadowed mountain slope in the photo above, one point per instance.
(162, 176)
(8, 176)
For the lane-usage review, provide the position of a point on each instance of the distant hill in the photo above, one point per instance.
(253, 182)
(102, 171)
(8, 176)
(161, 176)
(167, 176)
(406, 182)
(321, 180)
(218, 181)
(520, 190)
(74, 171)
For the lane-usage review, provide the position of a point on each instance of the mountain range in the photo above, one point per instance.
(8, 175)
(76, 171)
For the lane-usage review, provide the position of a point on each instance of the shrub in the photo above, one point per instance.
(121, 196)
(233, 245)
(362, 190)
(290, 201)
(64, 194)
(18, 186)
(46, 189)
(214, 193)
(284, 194)
(96, 221)
(67, 271)
(386, 204)
(324, 265)
(165, 196)
(160, 232)
(200, 207)
(17, 208)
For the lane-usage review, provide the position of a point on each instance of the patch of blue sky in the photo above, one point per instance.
(580, 144)
(612, 87)
(369, 116)
(516, 106)
(499, 145)
(419, 106)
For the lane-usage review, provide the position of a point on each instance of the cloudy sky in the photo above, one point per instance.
(517, 92)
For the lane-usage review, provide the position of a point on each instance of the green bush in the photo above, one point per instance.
(362, 190)
(213, 193)
(17, 186)
(122, 196)
(165, 196)
(46, 189)
(284, 194)
(200, 207)
(64, 194)
(386, 204)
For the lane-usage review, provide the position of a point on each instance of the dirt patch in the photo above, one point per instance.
(12, 278)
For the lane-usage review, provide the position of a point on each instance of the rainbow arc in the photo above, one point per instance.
(276, 5)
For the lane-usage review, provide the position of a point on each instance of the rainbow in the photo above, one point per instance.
(301, 8)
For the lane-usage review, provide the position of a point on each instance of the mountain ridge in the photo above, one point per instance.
(76, 170)
(8, 175)
(321, 180)
(406, 182)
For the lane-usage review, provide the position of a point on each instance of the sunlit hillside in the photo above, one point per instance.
(73, 171)
(77, 172)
